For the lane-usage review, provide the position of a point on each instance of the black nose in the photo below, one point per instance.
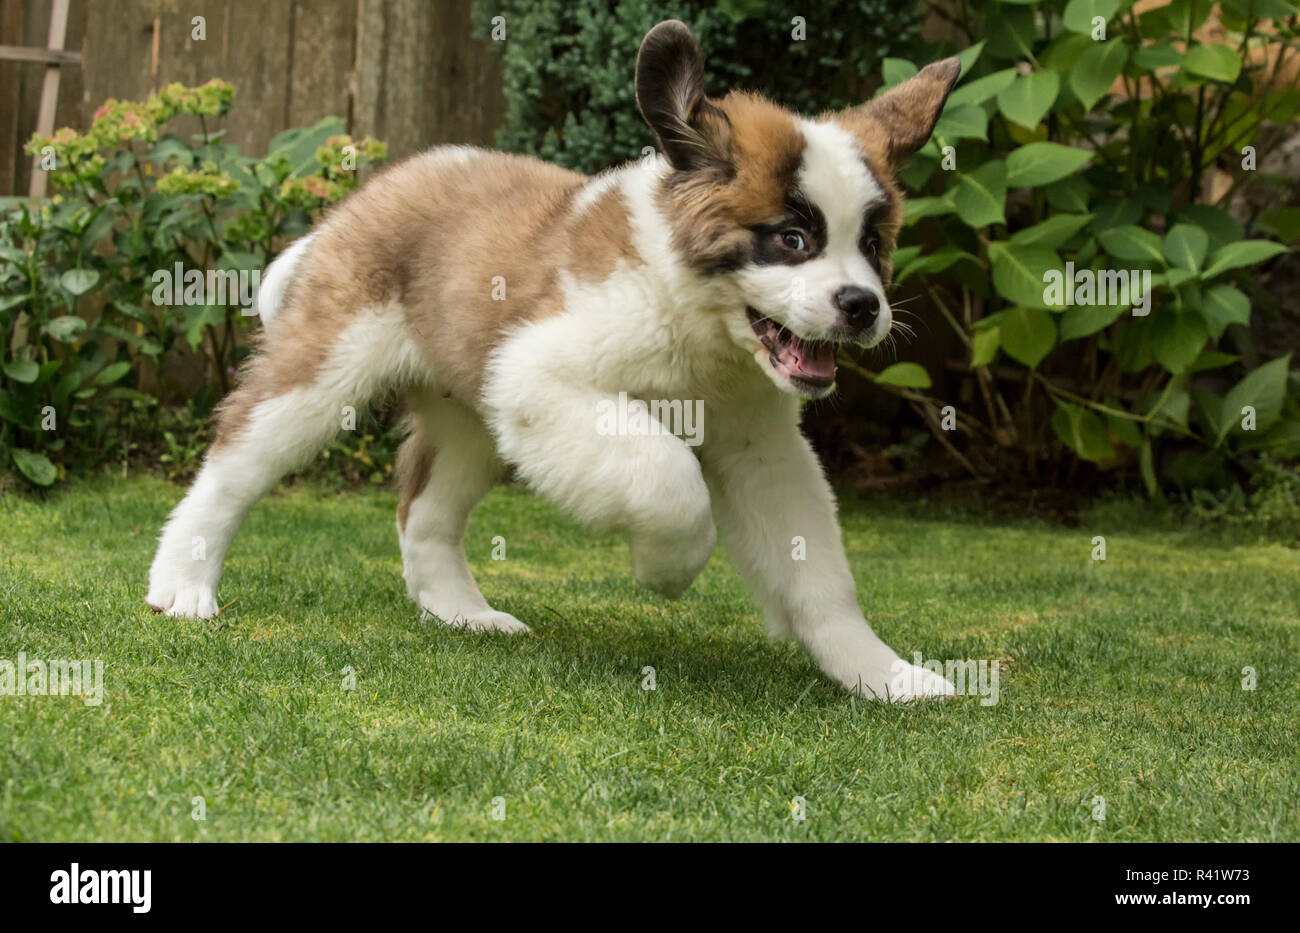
(858, 305)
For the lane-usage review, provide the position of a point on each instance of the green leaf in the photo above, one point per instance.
(907, 375)
(112, 373)
(1019, 271)
(66, 329)
(896, 71)
(299, 144)
(133, 311)
(915, 209)
(1223, 305)
(1079, 13)
(969, 56)
(1053, 232)
(902, 257)
(985, 345)
(980, 195)
(1097, 70)
(1063, 52)
(238, 259)
(1082, 431)
(99, 227)
(1284, 222)
(1264, 9)
(1043, 163)
(1214, 61)
(36, 467)
(79, 281)
(12, 301)
(982, 89)
(1010, 32)
(1242, 253)
(1029, 98)
(1028, 334)
(1218, 223)
(1116, 212)
(146, 343)
(1158, 55)
(1172, 412)
(1187, 16)
(1212, 359)
(1186, 246)
(1132, 242)
(935, 262)
(24, 371)
(1085, 320)
(9, 410)
(1264, 389)
(1068, 195)
(1125, 430)
(966, 122)
(1177, 339)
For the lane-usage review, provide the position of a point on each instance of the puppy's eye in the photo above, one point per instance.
(869, 246)
(793, 239)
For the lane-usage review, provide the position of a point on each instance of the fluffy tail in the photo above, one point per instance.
(270, 296)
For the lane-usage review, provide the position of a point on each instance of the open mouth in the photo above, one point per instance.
(809, 364)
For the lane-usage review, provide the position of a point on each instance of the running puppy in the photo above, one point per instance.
(509, 300)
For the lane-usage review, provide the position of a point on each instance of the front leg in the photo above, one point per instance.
(768, 490)
(648, 485)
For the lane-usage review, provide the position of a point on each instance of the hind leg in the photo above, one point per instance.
(257, 443)
(447, 465)
(272, 424)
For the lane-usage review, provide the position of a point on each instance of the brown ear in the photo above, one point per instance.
(905, 115)
(692, 132)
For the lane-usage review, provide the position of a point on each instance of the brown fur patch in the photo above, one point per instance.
(602, 236)
(414, 467)
(710, 212)
(470, 248)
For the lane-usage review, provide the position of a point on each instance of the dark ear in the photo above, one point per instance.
(906, 114)
(693, 133)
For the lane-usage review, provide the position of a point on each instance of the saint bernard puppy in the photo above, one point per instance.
(509, 300)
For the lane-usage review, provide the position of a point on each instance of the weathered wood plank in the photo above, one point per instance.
(422, 78)
(36, 33)
(324, 37)
(20, 53)
(259, 63)
(407, 71)
(11, 30)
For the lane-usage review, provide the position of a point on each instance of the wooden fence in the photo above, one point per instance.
(409, 72)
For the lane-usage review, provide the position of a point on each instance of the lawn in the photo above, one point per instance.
(1120, 680)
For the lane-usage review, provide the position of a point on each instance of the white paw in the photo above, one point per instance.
(488, 620)
(909, 682)
(853, 656)
(668, 566)
(186, 602)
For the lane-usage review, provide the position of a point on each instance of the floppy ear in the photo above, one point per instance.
(906, 115)
(693, 133)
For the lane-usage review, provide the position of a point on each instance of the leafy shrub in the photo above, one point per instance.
(79, 275)
(1272, 507)
(1078, 145)
(568, 65)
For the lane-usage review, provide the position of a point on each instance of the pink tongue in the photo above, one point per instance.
(815, 361)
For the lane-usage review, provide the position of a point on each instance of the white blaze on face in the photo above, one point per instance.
(835, 178)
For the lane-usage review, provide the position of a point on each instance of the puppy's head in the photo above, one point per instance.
(797, 216)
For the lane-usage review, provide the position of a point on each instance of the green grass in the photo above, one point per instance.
(1122, 679)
